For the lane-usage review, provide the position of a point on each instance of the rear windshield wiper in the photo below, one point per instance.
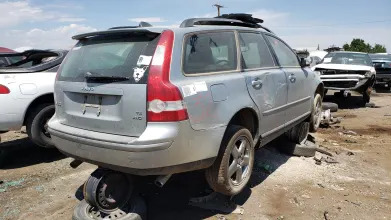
(94, 76)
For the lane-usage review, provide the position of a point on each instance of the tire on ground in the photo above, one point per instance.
(366, 97)
(35, 122)
(137, 211)
(329, 105)
(299, 133)
(217, 175)
(315, 122)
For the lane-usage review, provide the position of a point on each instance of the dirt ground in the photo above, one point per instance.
(38, 183)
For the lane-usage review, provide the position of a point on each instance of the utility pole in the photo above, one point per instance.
(218, 8)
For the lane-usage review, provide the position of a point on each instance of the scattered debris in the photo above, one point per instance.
(329, 160)
(306, 196)
(5, 185)
(319, 159)
(370, 105)
(260, 166)
(354, 203)
(321, 185)
(326, 215)
(221, 217)
(324, 151)
(349, 153)
(311, 138)
(326, 118)
(40, 188)
(351, 141)
(348, 132)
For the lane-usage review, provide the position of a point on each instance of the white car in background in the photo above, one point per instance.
(346, 71)
(26, 92)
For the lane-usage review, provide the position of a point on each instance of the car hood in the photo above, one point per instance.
(342, 67)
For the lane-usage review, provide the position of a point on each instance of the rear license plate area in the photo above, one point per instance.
(92, 103)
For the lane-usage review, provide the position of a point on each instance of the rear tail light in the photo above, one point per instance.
(4, 89)
(165, 102)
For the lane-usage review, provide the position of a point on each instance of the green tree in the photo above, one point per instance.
(379, 49)
(359, 45)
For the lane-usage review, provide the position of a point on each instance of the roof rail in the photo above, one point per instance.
(241, 20)
(141, 24)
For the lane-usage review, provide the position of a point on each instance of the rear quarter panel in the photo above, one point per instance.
(24, 89)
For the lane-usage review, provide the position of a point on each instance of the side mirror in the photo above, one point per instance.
(304, 62)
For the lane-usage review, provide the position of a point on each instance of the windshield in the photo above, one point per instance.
(107, 56)
(380, 57)
(348, 58)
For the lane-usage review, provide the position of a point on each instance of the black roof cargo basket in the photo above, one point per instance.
(141, 24)
(242, 20)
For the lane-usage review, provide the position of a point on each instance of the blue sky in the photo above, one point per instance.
(302, 23)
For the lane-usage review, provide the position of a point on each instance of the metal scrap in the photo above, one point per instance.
(327, 119)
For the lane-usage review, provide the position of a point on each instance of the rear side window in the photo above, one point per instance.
(255, 52)
(286, 57)
(210, 52)
(110, 56)
(3, 62)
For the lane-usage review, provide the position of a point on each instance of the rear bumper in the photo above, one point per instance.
(347, 81)
(163, 148)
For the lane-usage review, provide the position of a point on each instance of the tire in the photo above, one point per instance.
(329, 105)
(366, 97)
(108, 190)
(36, 122)
(218, 176)
(316, 113)
(137, 211)
(299, 133)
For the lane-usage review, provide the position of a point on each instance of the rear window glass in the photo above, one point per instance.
(210, 52)
(110, 56)
(255, 52)
(380, 57)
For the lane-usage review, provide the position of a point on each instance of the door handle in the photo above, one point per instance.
(292, 78)
(256, 83)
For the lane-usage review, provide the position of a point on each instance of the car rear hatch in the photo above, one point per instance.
(102, 84)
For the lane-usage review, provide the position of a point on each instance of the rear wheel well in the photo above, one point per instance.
(48, 98)
(247, 118)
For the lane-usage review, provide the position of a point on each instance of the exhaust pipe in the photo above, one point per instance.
(75, 163)
(161, 180)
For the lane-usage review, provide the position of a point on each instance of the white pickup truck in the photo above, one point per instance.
(26, 92)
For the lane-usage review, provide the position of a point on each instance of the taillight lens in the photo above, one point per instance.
(165, 101)
(4, 89)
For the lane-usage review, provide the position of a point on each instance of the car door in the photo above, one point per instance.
(299, 94)
(266, 82)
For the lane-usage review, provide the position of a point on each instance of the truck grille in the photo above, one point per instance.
(341, 84)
